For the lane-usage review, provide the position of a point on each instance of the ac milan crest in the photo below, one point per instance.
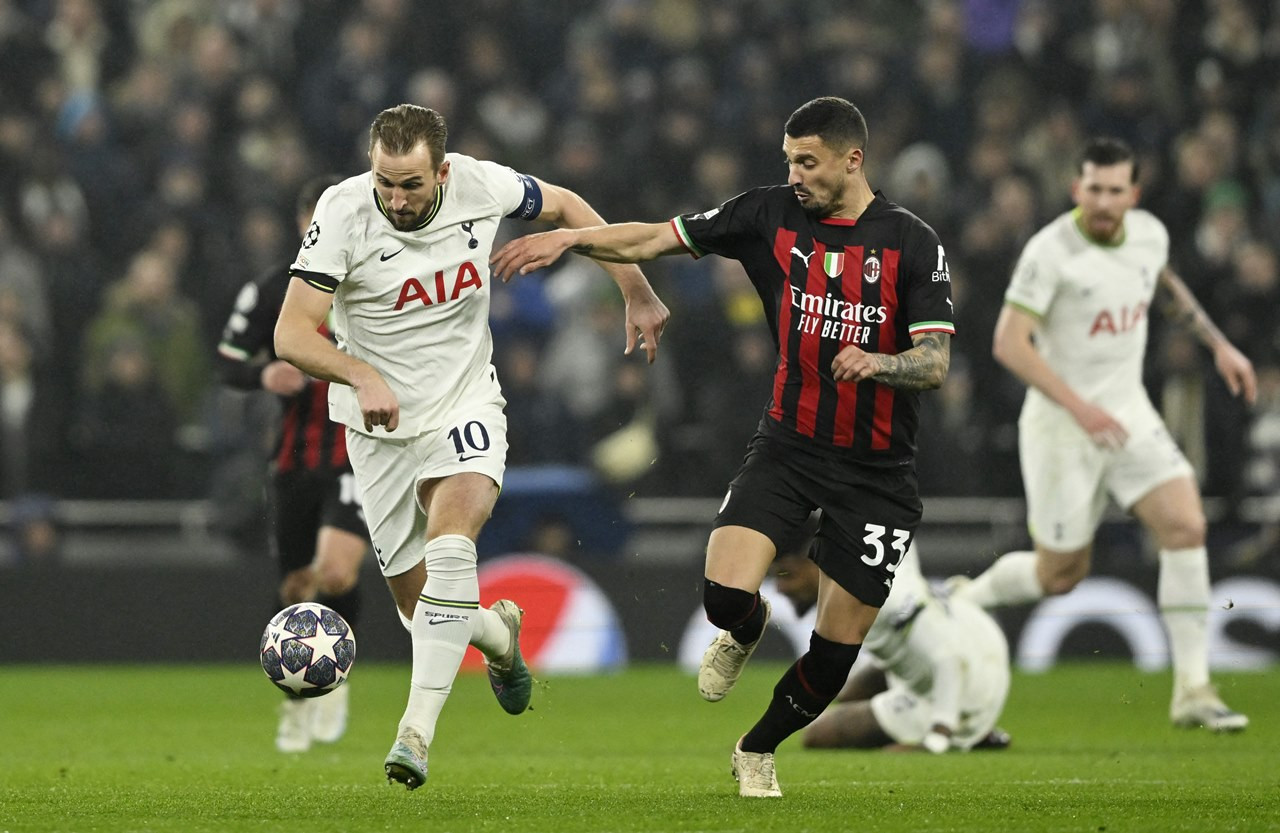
(871, 269)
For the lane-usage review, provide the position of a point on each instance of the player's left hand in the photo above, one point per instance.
(853, 364)
(646, 319)
(526, 254)
(1237, 371)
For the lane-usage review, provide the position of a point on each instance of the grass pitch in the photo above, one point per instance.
(189, 749)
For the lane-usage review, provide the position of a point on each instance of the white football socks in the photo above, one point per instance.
(1182, 593)
(1011, 580)
(442, 627)
(489, 633)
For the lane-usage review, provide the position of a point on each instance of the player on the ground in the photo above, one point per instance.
(857, 295)
(401, 256)
(1074, 329)
(318, 533)
(938, 673)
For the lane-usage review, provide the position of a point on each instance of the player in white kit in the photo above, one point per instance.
(1074, 329)
(400, 255)
(937, 669)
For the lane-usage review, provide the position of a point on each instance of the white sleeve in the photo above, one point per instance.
(1035, 279)
(933, 636)
(518, 195)
(326, 244)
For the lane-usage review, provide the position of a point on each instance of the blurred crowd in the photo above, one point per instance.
(150, 152)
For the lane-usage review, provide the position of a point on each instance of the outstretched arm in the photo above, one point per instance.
(617, 243)
(923, 367)
(646, 315)
(1235, 369)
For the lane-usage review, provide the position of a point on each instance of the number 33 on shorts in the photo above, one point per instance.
(898, 540)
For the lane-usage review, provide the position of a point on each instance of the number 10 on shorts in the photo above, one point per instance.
(875, 537)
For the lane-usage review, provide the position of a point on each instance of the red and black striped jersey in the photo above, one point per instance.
(874, 282)
(308, 439)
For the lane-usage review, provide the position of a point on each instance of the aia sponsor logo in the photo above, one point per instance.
(1119, 322)
(439, 290)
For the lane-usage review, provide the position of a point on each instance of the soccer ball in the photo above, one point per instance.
(307, 649)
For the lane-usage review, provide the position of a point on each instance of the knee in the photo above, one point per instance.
(1058, 576)
(1183, 532)
(727, 607)
(1058, 585)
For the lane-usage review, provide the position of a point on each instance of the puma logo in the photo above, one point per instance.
(802, 255)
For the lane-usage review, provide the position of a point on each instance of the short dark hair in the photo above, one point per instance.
(311, 190)
(401, 128)
(1108, 150)
(834, 120)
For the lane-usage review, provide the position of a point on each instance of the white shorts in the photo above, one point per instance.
(907, 715)
(1067, 478)
(389, 471)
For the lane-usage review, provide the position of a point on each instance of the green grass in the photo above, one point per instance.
(107, 749)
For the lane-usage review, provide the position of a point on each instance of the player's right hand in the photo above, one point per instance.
(646, 317)
(526, 254)
(283, 379)
(1102, 428)
(378, 403)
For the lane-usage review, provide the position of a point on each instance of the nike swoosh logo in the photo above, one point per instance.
(462, 459)
(393, 254)
(440, 620)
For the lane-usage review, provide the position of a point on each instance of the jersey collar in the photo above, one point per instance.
(876, 196)
(431, 215)
(1077, 219)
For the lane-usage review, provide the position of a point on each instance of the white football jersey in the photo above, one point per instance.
(948, 651)
(415, 304)
(1092, 301)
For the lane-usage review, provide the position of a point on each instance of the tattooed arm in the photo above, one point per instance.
(923, 367)
(1182, 307)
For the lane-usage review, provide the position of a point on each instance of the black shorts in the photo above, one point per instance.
(303, 501)
(869, 513)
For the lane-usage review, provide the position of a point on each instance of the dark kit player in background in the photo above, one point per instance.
(318, 532)
(857, 294)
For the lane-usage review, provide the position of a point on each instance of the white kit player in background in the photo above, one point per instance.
(934, 672)
(1074, 330)
(401, 256)
(937, 676)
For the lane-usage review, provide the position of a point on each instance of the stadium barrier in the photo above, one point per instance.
(157, 582)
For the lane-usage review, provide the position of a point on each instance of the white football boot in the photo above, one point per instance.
(724, 660)
(1193, 708)
(755, 773)
(329, 715)
(293, 734)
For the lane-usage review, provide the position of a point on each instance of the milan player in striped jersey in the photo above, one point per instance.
(857, 293)
(1074, 329)
(318, 532)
